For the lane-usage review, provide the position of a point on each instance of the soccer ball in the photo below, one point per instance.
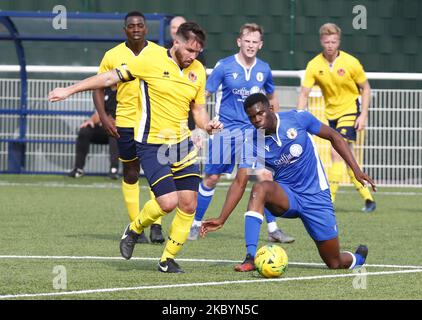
(271, 261)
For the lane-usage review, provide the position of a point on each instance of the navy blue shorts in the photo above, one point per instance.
(316, 212)
(170, 168)
(345, 125)
(126, 143)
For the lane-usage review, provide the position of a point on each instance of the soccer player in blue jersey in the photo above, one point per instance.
(300, 188)
(239, 75)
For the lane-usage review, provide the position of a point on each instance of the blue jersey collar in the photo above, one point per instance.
(275, 135)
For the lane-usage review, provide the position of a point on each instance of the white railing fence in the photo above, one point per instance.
(390, 149)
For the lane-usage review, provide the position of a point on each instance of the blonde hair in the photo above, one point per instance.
(329, 29)
(251, 27)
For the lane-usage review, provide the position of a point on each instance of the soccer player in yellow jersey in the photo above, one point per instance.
(169, 80)
(342, 80)
(127, 115)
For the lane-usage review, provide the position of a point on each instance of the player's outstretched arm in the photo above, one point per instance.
(340, 145)
(98, 81)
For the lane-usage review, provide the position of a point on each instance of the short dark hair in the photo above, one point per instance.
(134, 14)
(254, 99)
(189, 30)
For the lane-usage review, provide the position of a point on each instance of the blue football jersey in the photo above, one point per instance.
(292, 155)
(237, 84)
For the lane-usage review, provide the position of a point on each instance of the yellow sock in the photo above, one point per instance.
(152, 195)
(178, 234)
(131, 198)
(149, 213)
(363, 190)
(335, 174)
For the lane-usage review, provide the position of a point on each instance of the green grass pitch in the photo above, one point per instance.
(60, 235)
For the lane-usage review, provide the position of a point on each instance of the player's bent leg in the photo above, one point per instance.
(267, 193)
(329, 251)
(275, 234)
(151, 211)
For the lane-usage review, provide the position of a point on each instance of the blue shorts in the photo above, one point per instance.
(126, 144)
(345, 125)
(316, 212)
(170, 168)
(230, 148)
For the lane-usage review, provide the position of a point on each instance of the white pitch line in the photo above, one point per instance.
(187, 260)
(222, 185)
(202, 284)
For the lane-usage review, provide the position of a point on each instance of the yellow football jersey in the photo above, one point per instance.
(128, 109)
(338, 83)
(166, 92)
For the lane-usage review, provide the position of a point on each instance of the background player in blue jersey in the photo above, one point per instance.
(239, 75)
(300, 188)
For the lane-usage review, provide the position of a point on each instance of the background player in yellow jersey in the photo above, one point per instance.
(342, 80)
(127, 115)
(169, 80)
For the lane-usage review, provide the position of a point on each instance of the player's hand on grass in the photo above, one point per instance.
(210, 225)
(58, 94)
(213, 126)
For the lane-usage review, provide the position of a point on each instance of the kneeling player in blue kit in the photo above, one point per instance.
(300, 188)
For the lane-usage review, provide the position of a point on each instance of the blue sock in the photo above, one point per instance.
(253, 221)
(268, 216)
(204, 199)
(358, 260)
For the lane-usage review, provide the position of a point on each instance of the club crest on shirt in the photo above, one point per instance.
(291, 133)
(341, 72)
(296, 150)
(192, 76)
(260, 76)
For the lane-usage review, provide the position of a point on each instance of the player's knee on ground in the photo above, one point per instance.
(210, 181)
(334, 264)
